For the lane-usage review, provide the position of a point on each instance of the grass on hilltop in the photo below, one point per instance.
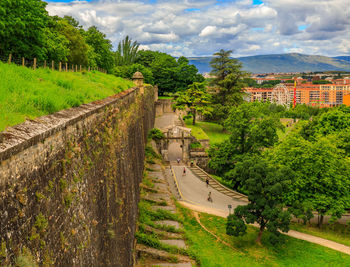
(25, 93)
(293, 252)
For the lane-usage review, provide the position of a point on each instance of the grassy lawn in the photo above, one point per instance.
(293, 252)
(25, 93)
(212, 131)
(336, 232)
(197, 131)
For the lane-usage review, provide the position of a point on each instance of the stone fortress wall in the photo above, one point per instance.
(69, 182)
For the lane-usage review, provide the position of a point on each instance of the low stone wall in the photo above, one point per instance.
(69, 183)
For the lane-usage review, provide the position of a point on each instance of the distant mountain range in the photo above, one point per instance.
(282, 63)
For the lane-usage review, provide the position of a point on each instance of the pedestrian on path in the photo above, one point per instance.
(207, 181)
(178, 161)
(184, 172)
(209, 197)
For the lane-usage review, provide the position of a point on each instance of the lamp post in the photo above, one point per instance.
(229, 208)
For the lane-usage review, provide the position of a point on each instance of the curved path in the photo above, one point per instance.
(194, 195)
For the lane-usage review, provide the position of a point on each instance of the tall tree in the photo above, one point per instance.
(250, 132)
(321, 174)
(102, 48)
(266, 185)
(196, 99)
(126, 53)
(22, 28)
(228, 79)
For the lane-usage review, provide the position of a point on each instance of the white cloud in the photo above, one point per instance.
(194, 27)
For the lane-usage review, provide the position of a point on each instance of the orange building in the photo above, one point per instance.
(322, 95)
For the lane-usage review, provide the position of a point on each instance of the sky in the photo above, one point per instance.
(202, 27)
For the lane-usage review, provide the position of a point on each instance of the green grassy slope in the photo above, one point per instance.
(25, 93)
(246, 252)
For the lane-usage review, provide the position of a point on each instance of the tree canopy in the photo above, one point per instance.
(265, 185)
(196, 99)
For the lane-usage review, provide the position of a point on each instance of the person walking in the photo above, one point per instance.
(209, 197)
(178, 161)
(184, 172)
(207, 181)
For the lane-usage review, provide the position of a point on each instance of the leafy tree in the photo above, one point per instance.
(102, 48)
(169, 74)
(22, 28)
(265, 185)
(250, 132)
(194, 98)
(321, 174)
(127, 71)
(79, 49)
(56, 44)
(228, 83)
(126, 53)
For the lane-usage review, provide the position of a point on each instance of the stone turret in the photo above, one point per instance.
(137, 78)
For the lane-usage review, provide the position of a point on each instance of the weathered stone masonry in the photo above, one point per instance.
(69, 183)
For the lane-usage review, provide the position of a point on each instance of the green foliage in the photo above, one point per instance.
(196, 145)
(169, 74)
(266, 186)
(102, 47)
(321, 82)
(127, 71)
(322, 174)
(155, 134)
(245, 252)
(25, 259)
(228, 83)
(41, 222)
(250, 132)
(22, 28)
(127, 52)
(25, 93)
(196, 99)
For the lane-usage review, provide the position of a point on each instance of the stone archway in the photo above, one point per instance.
(176, 138)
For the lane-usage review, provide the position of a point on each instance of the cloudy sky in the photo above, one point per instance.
(202, 27)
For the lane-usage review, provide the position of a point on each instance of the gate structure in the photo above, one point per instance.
(180, 135)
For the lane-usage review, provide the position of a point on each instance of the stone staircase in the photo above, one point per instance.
(201, 174)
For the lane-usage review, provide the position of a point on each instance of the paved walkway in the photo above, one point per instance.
(194, 193)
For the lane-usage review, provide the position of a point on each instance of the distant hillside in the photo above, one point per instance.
(282, 63)
(346, 58)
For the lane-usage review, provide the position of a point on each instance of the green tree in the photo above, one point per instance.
(79, 50)
(196, 99)
(22, 28)
(250, 132)
(102, 48)
(228, 83)
(169, 74)
(56, 44)
(321, 174)
(127, 71)
(265, 185)
(126, 53)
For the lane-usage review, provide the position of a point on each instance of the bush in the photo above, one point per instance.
(156, 134)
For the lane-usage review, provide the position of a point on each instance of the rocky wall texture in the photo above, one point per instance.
(69, 183)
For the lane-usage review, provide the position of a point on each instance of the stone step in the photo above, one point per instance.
(181, 264)
(169, 223)
(168, 208)
(174, 242)
(144, 251)
(161, 233)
